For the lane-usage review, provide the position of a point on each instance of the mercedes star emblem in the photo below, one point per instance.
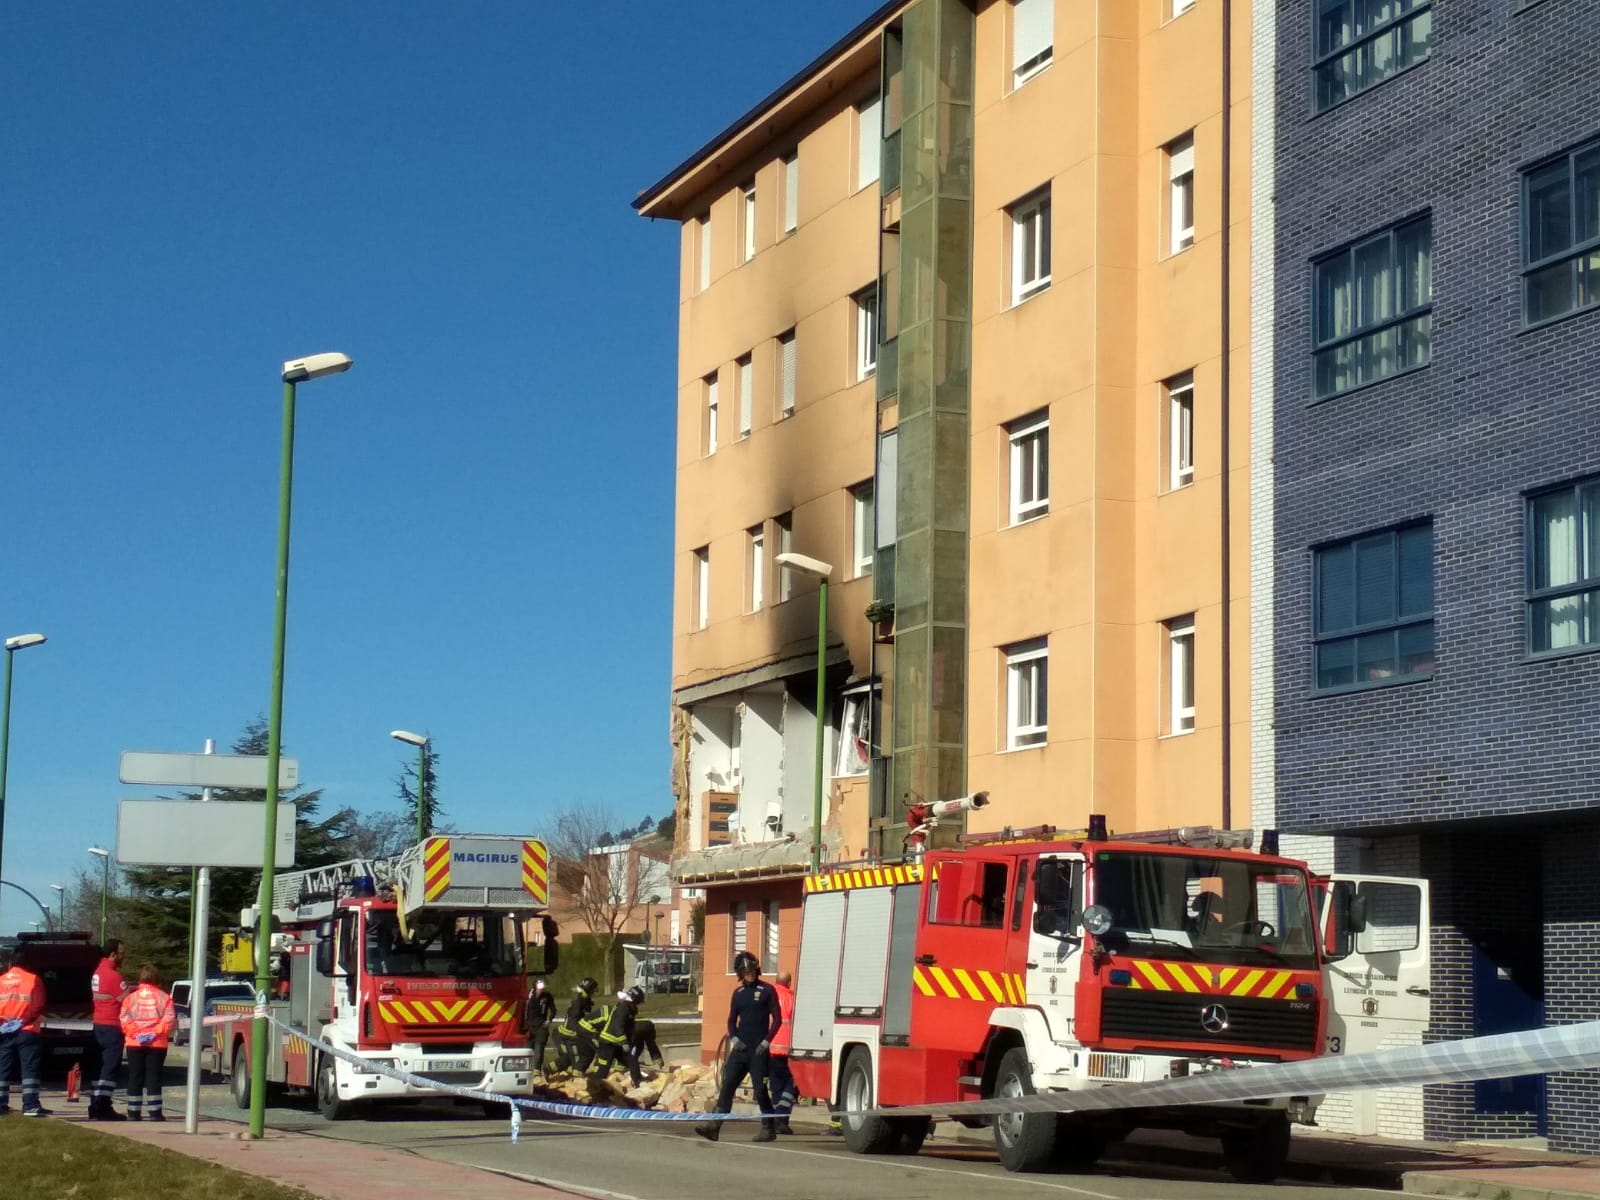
(1213, 1018)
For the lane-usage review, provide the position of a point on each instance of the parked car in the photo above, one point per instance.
(216, 989)
(657, 976)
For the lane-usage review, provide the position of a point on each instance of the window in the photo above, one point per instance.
(1180, 430)
(710, 382)
(1030, 246)
(746, 400)
(703, 235)
(1374, 308)
(1180, 193)
(1032, 38)
(1561, 238)
(1030, 466)
(738, 930)
(770, 911)
(855, 731)
(786, 374)
(784, 523)
(791, 191)
(1180, 675)
(1360, 43)
(968, 892)
(861, 513)
(758, 567)
(869, 140)
(866, 332)
(1179, 7)
(1564, 568)
(702, 587)
(1373, 608)
(1027, 698)
(747, 221)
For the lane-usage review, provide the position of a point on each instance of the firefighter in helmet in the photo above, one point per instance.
(753, 1021)
(574, 1042)
(616, 1038)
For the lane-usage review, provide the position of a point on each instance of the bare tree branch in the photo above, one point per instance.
(606, 894)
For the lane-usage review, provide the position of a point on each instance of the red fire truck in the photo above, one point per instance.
(1034, 961)
(417, 962)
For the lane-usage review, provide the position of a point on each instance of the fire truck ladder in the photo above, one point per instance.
(298, 895)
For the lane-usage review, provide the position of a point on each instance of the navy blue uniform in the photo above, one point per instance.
(753, 1019)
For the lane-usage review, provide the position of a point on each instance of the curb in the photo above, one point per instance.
(1432, 1183)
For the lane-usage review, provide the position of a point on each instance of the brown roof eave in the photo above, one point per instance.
(671, 195)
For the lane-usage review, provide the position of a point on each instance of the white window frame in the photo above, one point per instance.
(758, 567)
(855, 714)
(747, 232)
(1180, 193)
(702, 587)
(1178, 8)
(1027, 679)
(866, 306)
(1180, 674)
(869, 141)
(771, 913)
(747, 376)
(788, 373)
(862, 528)
(738, 930)
(791, 191)
(1030, 273)
(1030, 433)
(713, 409)
(1180, 430)
(1039, 50)
(784, 524)
(703, 236)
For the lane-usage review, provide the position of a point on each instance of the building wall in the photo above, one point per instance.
(723, 942)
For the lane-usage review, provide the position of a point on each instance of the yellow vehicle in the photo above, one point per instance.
(238, 953)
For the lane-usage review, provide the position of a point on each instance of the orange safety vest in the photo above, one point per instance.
(148, 1010)
(783, 1040)
(21, 998)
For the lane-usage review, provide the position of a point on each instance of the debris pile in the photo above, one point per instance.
(680, 1086)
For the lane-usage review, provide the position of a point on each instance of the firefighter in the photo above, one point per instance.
(616, 1038)
(148, 1019)
(573, 1042)
(644, 1042)
(589, 1034)
(753, 1021)
(21, 1005)
(779, 1080)
(537, 1018)
(109, 987)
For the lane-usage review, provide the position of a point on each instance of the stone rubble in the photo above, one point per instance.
(680, 1086)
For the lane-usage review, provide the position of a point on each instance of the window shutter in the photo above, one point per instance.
(745, 379)
(786, 357)
(791, 192)
(869, 140)
(1032, 30)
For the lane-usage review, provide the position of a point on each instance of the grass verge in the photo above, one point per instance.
(54, 1160)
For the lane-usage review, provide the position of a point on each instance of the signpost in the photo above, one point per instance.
(206, 770)
(198, 833)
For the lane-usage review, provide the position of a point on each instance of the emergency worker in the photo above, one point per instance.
(21, 1006)
(574, 1044)
(109, 988)
(779, 1079)
(644, 1042)
(616, 1037)
(589, 1033)
(537, 1018)
(148, 1019)
(753, 1021)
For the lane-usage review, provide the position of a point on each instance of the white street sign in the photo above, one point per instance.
(199, 833)
(205, 770)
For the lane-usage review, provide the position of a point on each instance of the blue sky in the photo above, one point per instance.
(193, 193)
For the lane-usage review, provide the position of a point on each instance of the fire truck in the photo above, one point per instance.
(417, 962)
(1036, 961)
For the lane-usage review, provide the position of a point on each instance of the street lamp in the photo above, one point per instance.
(61, 905)
(819, 571)
(105, 880)
(421, 743)
(21, 642)
(295, 371)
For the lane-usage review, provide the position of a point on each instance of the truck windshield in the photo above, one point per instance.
(449, 944)
(1201, 908)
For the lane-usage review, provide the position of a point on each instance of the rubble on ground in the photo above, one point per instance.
(680, 1086)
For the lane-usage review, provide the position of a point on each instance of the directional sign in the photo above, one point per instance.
(205, 770)
(195, 833)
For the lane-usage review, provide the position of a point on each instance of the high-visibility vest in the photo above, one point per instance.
(783, 1040)
(599, 1020)
(21, 998)
(618, 1029)
(148, 1010)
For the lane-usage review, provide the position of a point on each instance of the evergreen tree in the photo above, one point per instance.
(408, 793)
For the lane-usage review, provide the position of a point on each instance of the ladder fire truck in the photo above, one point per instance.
(1033, 961)
(417, 962)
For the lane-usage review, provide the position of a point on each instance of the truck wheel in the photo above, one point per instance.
(328, 1102)
(1257, 1155)
(1025, 1141)
(910, 1133)
(1079, 1145)
(864, 1135)
(241, 1077)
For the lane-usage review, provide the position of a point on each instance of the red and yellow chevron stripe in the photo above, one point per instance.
(445, 1012)
(962, 983)
(1267, 984)
(435, 868)
(839, 881)
(536, 870)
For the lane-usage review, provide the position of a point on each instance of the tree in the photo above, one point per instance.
(379, 834)
(408, 793)
(606, 893)
(667, 827)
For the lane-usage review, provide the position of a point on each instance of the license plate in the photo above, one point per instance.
(451, 1064)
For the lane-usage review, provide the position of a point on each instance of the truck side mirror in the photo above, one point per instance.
(324, 955)
(1357, 919)
(552, 947)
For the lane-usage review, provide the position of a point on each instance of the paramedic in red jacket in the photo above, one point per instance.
(778, 1077)
(109, 988)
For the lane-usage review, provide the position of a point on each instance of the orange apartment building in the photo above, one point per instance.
(954, 319)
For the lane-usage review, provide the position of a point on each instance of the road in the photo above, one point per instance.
(667, 1162)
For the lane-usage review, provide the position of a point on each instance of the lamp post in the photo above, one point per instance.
(819, 571)
(61, 905)
(105, 881)
(295, 371)
(21, 642)
(420, 741)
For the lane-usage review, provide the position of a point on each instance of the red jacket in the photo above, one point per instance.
(21, 998)
(109, 988)
(148, 1010)
(784, 1038)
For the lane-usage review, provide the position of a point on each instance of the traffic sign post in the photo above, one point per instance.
(205, 770)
